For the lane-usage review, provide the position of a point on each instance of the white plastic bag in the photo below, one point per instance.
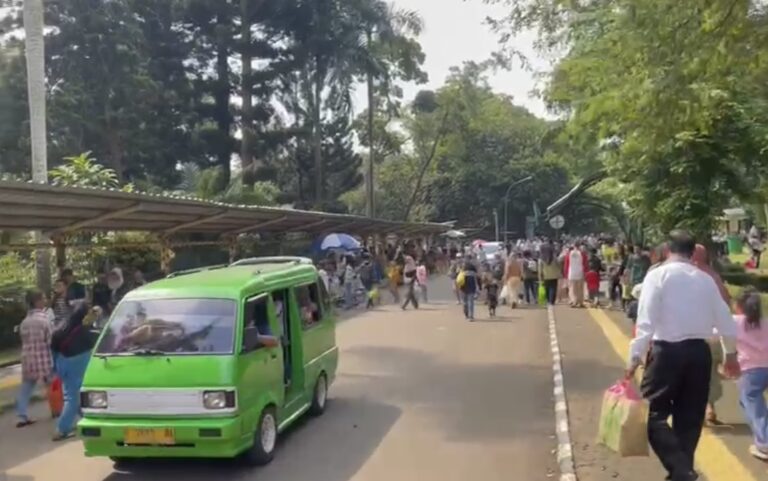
(503, 297)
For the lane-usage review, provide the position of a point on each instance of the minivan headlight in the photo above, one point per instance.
(218, 399)
(94, 399)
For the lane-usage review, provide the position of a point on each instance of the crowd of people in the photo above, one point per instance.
(355, 278)
(546, 271)
(58, 334)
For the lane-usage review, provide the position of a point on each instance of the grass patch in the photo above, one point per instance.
(10, 355)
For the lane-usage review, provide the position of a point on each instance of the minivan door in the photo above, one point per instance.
(261, 364)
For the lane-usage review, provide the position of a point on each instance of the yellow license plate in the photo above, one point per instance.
(157, 436)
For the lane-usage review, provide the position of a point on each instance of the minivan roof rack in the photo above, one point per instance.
(195, 270)
(256, 261)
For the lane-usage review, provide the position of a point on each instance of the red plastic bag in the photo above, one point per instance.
(56, 397)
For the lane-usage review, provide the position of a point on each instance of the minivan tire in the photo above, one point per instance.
(264, 439)
(121, 463)
(320, 396)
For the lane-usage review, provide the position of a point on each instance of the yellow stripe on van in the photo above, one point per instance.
(713, 458)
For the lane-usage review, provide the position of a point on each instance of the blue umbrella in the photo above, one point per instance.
(339, 241)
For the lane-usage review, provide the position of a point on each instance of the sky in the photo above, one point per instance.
(454, 31)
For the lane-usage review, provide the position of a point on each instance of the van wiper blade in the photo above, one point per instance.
(147, 352)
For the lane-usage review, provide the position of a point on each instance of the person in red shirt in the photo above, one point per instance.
(593, 286)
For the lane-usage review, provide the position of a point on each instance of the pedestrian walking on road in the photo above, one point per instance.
(701, 260)
(470, 285)
(530, 276)
(36, 358)
(576, 267)
(71, 344)
(422, 276)
(549, 272)
(410, 281)
(752, 345)
(513, 274)
(678, 309)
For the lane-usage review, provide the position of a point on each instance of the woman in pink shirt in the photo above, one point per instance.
(752, 346)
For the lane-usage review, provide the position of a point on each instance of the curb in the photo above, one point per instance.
(562, 428)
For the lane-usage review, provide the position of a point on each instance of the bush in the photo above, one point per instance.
(12, 312)
(744, 279)
(17, 274)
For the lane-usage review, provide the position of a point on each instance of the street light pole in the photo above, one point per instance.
(496, 222)
(506, 205)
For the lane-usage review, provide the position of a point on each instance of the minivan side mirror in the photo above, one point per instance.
(251, 340)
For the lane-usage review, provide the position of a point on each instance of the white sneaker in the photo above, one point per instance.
(760, 454)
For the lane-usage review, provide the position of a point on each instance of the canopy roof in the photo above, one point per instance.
(32, 206)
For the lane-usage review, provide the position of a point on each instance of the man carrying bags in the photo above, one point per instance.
(678, 311)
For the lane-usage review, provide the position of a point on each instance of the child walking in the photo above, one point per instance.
(593, 287)
(492, 296)
(752, 346)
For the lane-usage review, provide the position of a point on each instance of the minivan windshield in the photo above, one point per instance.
(171, 326)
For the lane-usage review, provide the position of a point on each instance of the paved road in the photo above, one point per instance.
(420, 395)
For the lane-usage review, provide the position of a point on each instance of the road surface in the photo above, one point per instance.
(424, 395)
(420, 395)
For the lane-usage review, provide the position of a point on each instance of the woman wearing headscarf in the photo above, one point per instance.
(701, 260)
(513, 275)
(71, 344)
(117, 287)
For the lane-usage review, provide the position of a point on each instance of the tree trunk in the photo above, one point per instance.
(424, 165)
(34, 43)
(246, 156)
(370, 207)
(221, 95)
(317, 133)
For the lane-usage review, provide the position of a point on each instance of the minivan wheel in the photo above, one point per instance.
(320, 397)
(121, 463)
(265, 439)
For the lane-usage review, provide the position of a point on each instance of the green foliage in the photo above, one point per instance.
(147, 85)
(679, 87)
(83, 171)
(17, 274)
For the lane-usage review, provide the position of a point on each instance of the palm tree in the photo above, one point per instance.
(386, 29)
(35, 56)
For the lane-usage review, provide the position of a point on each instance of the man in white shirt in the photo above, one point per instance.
(680, 308)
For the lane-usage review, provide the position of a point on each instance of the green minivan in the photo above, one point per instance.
(211, 363)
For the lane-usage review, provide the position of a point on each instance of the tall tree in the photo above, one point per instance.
(35, 55)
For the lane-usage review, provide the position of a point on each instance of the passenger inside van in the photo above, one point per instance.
(309, 311)
(260, 321)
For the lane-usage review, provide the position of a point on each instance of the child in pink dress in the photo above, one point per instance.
(752, 346)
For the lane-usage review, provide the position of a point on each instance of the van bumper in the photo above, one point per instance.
(194, 437)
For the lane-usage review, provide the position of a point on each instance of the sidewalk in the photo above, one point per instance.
(594, 345)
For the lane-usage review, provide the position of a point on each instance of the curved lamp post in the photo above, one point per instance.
(506, 204)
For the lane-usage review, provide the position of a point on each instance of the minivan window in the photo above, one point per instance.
(172, 326)
(308, 298)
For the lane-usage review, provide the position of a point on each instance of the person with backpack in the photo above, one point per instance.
(71, 344)
(469, 283)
